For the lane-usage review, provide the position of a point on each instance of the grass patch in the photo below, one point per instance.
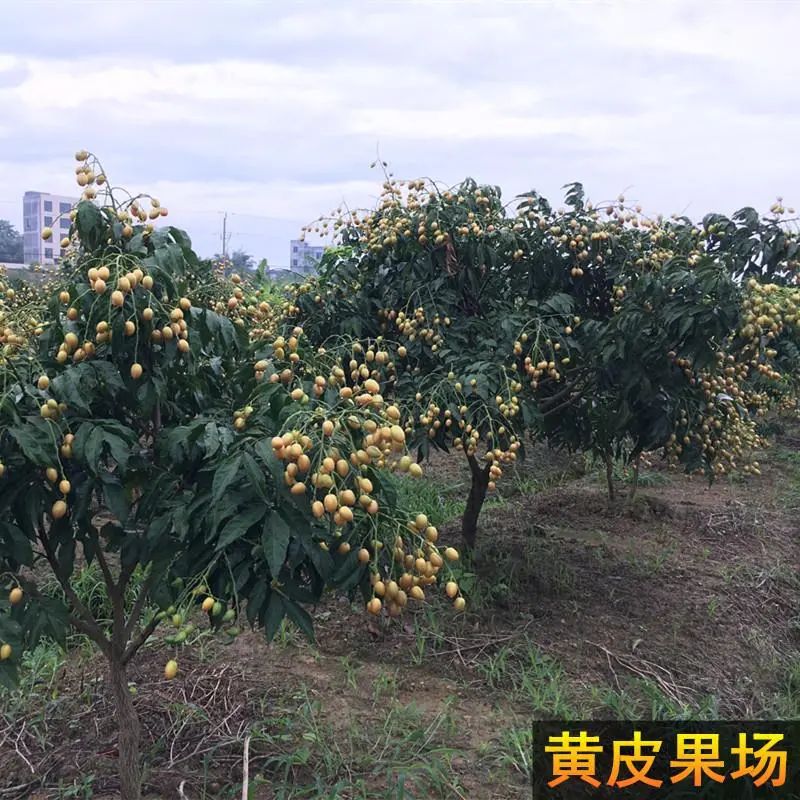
(440, 503)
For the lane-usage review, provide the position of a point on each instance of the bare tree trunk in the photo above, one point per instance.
(477, 495)
(610, 476)
(130, 774)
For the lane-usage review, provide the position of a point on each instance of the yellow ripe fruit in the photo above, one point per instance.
(398, 434)
(421, 522)
(372, 386)
(130, 328)
(63, 297)
(451, 554)
(344, 548)
(402, 352)
(136, 371)
(417, 593)
(346, 514)
(147, 282)
(363, 555)
(451, 589)
(103, 273)
(374, 606)
(459, 604)
(185, 303)
(415, 470)
(147, 314)
(208, 604)
(71, 340)
(347, 497)
(297, 394)
(5, 652)
(47, 233)
(117, 298)
(15, 596)
(59, 509)
(327, 427)
(317, 509)
(431, 533)
(298, 488)
(171, 669)
(52, 474)
(342, 468)
(303, 463)
(183, 346)
(65, 487)
(99, 286)
(331, 503)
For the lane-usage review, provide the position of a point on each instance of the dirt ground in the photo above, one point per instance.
(680, 602)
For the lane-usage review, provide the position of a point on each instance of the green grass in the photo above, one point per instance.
(402, 753)
(440, 503)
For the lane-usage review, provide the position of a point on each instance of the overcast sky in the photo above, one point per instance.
(273, 111)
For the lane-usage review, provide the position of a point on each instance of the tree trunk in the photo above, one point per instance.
(610, 475)
(477, 494)
(635, 484)
(130, 775)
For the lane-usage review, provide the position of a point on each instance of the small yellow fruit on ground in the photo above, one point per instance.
(59, 509)
(171, 669)
(5, 652)
(136, 371)
(208, 604)
(15, 596)
(459, 604)
(415, 470)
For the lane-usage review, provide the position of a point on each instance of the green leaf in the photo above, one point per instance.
(273, 616)
(300, 617)
(114, 496)
(239, 525)
(224, 477)
(275, 541)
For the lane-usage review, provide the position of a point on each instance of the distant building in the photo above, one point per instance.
(39, 211)
(304, 257)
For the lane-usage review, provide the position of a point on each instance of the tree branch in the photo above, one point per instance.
(143, 635)
(138, 605)
(92, 629)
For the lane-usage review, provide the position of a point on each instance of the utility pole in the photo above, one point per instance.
(224, 234)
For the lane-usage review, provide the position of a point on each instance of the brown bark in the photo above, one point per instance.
(610, 476)
(130, 775)
(477, 495)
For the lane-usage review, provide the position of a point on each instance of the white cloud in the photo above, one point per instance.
(276, 110)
